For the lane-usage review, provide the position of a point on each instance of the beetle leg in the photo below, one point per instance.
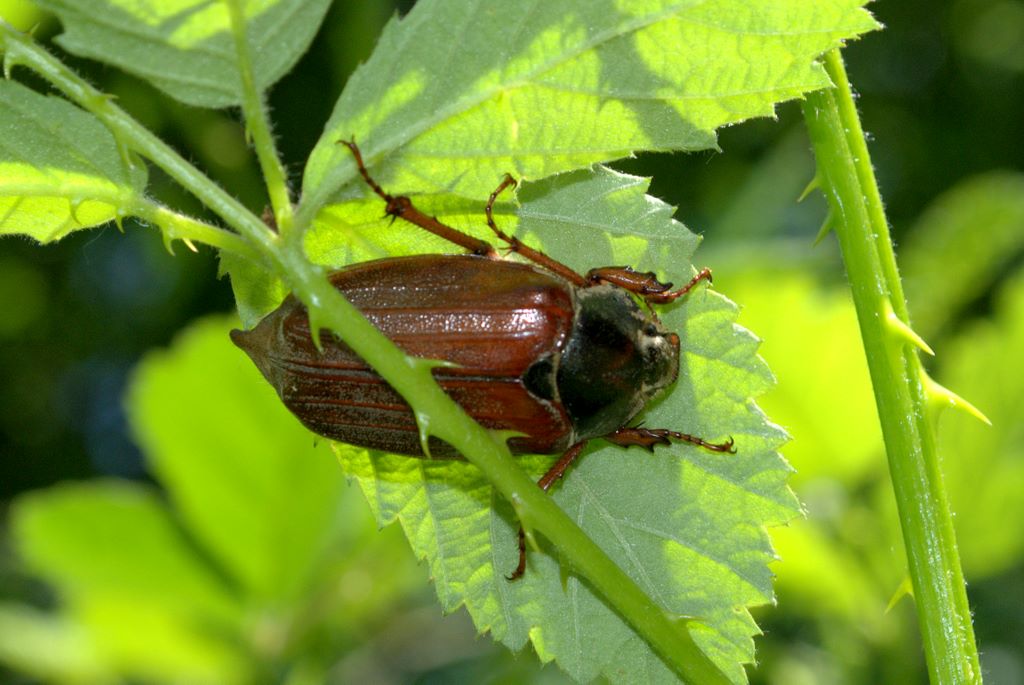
(640, 283)
(649, 437)
(400, 206)
(507, 182)
(519, 247)
(545, 483)
(662, 298)
(644, 283)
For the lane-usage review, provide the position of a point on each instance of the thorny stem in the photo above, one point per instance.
(410, 377)
(176, 226)
(846, 175)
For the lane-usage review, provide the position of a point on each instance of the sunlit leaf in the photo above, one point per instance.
(60, 168)
(813, 349)
(185, 47)
(960, 245)
(231, 487)
(458, 93)
(687, 524)
(132, 579)
(51, 648)
(837, 568)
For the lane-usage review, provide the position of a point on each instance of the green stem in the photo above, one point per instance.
(20, 49)
(182, 227)
(175, 226)
(411, 377)
(258, 124)
(845, 173)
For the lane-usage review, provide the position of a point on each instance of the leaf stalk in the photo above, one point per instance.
(258, 124)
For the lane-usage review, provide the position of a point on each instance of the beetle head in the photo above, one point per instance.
(618, 357)
(659, 349)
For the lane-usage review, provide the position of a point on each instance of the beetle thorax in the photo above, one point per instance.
(617, 358)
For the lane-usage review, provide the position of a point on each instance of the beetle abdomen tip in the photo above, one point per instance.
(253, 343)
(238, 337)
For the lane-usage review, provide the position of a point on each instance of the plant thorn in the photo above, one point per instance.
(168, 242)
(9, 63)
(812, 185)
(826, 227)
(905, 589)
(314, 331)
(903, 331)
(943, 397)
(423, 426)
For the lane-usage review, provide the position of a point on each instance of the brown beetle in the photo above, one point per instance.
(538, 349)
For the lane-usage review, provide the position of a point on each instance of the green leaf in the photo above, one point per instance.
(838, 565)
(687, 524)
(458, 93)
(185, 48)
(945, 264)
(257, 291)
(131, 578)
(50, 648)
(232, 467)
(813, 349)
(60, 168)
(257, 556)
(984, 465)
(609, 213)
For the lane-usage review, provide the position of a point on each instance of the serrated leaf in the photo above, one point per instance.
(688, 525)
(185, 48)
(458, 93)
(624, 227)
(831, 570)
(60, 168)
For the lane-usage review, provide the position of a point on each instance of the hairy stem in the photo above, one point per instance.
(846, 175)
(177, 226)
(258, 124)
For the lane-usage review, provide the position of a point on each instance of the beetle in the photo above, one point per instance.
(536, 348)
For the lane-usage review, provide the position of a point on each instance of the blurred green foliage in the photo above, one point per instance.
(254, 561)
(941, 91)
